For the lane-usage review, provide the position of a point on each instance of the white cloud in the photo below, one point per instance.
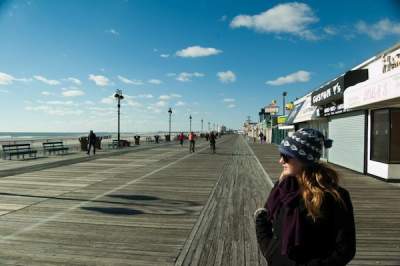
(99, 80)
(232, 105)
(180, 103)
(291, 18)
(165, 97)
(72, 93)
(197, 51)
(47, 81)
(4, 91)
(108, 100)
(65, 103)
(185, 76)
(6, 79)
(154, 81)
(164, 55)
(171, 74)
(228, 100)
(145, 96)
(46, 93)
(74, 80)
(299, 76)
(169, 97)
(133, 103)
(129, 81)
(113, 32)
(89, 103)
(226, 77)
(380, 29)
(55, 110)
(160, 104)
(330, 30)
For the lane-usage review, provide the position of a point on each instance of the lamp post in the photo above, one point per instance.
(202, 125)
(190, 123)
(119, 97)
(170, 113)
(284, 94)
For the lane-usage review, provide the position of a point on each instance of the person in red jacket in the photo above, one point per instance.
(308, 218)
(181, 138)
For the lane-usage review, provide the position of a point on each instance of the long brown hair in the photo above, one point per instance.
(315, 181)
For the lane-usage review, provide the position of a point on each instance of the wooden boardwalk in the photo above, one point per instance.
(165, 206)
(376, 210)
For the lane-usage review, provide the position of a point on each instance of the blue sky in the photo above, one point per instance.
(220, 61)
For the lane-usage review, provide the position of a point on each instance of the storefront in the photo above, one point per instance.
(380, 98)
(347, 130)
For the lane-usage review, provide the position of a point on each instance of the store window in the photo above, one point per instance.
(385, 136)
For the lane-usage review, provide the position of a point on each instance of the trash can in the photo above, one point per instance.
(98, 142)
(137, 140)
(84, 143)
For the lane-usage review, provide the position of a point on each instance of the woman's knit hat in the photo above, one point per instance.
(305, 145)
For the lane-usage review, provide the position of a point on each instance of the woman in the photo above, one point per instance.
(308, 218)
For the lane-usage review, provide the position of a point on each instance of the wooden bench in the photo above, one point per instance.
(18, 149)
(54, 147)
(123, 143)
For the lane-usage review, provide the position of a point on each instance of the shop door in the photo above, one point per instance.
(348, 134)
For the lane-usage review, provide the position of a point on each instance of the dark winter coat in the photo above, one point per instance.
(329, 241)
(92, 138)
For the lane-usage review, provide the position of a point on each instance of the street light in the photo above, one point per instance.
(119, 97)
(170, 113)
(283, 107)
(202, 125)
(190, 123)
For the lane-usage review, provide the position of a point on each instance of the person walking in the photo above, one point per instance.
(212, 141)
(308, 218)
(192, 139)
(91, 142)
(261, 135)
(181, 138)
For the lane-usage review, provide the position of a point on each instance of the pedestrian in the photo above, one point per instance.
(261, 135)
(212, 142)
(181, 138)
(192, 139)
(308, 218)
(91, 142)
(265, 139)
(207, 136)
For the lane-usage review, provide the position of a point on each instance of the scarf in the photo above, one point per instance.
(286, 195)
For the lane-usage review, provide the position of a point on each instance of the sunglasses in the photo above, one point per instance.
(286, 158)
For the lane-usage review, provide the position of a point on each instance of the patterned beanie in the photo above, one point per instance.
(305, 145)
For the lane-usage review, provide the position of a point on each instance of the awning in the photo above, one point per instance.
(307, 112)
(333, 91)
(292, 115)
(384, 88)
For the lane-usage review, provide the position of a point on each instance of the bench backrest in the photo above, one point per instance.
(16, 147)
(53, 144)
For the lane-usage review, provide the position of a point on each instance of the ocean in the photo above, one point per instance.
(14, 136)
